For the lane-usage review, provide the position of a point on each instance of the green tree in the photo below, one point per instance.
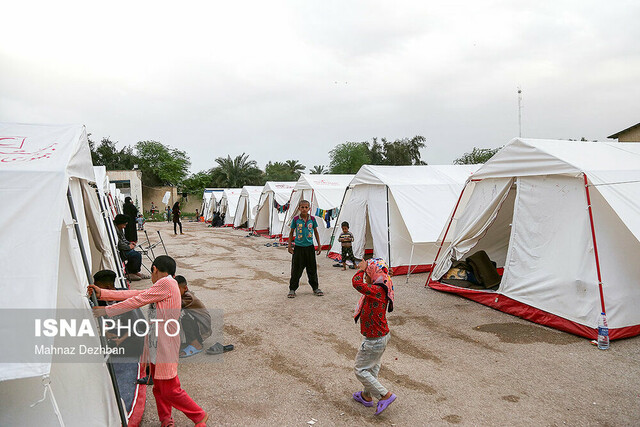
(237, 172)
(289, 170)
(349, 157)
(476, 156)
(106, 154)
(318, 170)
(161, 164)
(295, 168)
(197, 182)
(376, 152)
(404, 151)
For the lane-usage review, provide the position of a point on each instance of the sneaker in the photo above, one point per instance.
(291, 294)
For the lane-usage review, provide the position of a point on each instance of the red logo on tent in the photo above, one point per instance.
(12, 149)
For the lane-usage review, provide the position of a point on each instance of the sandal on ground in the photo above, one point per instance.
(145, 380)
(357, 396)
(291, 294)
(318, 293)
(218, 348)
(189, 351)
(143, 276)
(167, 423)
(337, 264)
(384, 403)
(203, 422)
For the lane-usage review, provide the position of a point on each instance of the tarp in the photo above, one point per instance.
(247, 205)
(420, 200)
(324, 192)
(43, 269)
(228, 204)
(529, 212)
(269, 218)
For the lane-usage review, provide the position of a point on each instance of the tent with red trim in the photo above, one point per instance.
(228, 204)
(272, 207)
(563, 220)
(247, 205)
(325, 193)
(398, 212)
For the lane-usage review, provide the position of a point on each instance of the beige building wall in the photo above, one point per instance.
(632, 135)
(134, 188)
(155, 195)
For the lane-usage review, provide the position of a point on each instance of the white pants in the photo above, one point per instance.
(368, 365)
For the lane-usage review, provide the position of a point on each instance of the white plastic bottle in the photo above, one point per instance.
(603, 332)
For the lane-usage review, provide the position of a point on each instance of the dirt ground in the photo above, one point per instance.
(449, 360)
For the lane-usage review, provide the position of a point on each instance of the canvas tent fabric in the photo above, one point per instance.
(324, 192)
(535, 208)
(420, 200)
(247, 205)
(205, 208)
(268, 218)
(39, 164)
(229, 204)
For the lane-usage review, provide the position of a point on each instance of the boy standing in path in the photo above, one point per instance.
(374, 283)
(346, 239)
(304, 226)
(164, 341)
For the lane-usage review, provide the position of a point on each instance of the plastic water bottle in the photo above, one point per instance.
(603, 332)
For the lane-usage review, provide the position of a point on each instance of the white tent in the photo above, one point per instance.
(214, 203)
(325, 193)
(398, 212)
(563, 220)
(247, 205)
(269, 218)
(205, 208)
(228, 204)
(44, 177)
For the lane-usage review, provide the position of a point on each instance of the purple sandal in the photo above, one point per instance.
(357, 396)
(384, 403)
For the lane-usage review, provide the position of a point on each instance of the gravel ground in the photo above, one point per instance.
(449, 360)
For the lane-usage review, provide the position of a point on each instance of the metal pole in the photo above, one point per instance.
(388, 229)
(595, 244)
(519, 112)
(162, 241)
(149, 245)
(94, 300)
(116, 256)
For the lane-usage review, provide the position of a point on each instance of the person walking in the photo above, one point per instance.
(176, 217)
(130, 210)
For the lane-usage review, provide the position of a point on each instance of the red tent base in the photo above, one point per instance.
(134, 417)
(524, 311)
(413, 269)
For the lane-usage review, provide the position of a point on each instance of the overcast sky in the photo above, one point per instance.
(291, 79)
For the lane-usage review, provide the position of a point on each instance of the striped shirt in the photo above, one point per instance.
(166, 296)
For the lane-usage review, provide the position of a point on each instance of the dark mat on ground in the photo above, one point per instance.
(126, 375)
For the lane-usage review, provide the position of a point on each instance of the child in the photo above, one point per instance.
(347, 251)
(140, 222)
(195, 321)
(164, 341)
(374, 283)
(304, 226)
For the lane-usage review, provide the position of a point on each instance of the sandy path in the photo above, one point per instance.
(450, 360)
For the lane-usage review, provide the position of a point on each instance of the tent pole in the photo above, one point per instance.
(87, 270)
(453, 214)
(410, 261)
(333, 234)
(388, 229)
(286, 218)
(595, 244)
(116, 255)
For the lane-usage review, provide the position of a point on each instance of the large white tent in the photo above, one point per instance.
(247, 205)
(270, 215)
(563, 220)
(215, 198)
(228, 204)
(398, 212)
(44, 181)
(325, 193)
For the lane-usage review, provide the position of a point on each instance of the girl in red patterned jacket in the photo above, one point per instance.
(374, 283)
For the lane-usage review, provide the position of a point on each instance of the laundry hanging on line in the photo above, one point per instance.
(281, 208)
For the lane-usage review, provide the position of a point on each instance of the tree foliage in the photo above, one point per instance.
(106, 154)
(197, 182)
(237, 172)
(318, 170)
(289, 170)
(161, 164)
(476, 156)
(347, 158)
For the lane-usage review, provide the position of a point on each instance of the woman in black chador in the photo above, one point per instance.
(130, 210)
(176, 217)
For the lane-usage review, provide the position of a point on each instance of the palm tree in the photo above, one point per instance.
(237, 172)
(295, 168)
(318, 170)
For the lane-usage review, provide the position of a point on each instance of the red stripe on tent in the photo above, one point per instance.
(261, 232)
(368, 251)
(404, 269)
(134, 417)
(505, 304)
(228, 225)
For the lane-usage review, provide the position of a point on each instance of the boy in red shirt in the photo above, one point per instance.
(374, 283)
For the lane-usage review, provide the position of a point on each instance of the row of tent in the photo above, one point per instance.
(561, 220)
(58, 231)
